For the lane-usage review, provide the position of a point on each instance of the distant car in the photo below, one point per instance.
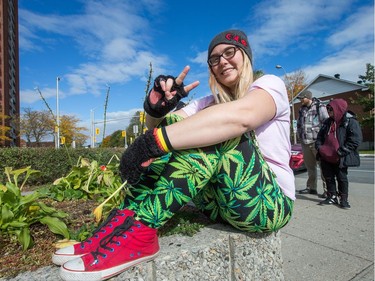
(296, 160)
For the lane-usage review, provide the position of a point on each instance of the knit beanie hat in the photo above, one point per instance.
(232, 37)
(305, 94)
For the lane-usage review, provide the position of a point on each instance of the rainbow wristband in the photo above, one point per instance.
(162, 139)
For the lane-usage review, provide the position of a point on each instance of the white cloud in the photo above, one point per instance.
(90, 77)
(296, 25)
(357, 28)
(353, 47)
(31, 96)
(26, 38)
(118, 120)
(349, 63)
(114, 37)
(119, 49)
(286, 23)
(200, 58)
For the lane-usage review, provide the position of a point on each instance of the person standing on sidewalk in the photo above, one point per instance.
(311, 116)
(337, 145)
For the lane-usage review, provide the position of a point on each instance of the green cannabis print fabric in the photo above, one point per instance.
(228, 182)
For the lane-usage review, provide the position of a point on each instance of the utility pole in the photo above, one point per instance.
(105, 110)
(92, 116)
(294, 121)
(57, 113)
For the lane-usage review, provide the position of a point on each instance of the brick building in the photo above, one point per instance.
(9, 72)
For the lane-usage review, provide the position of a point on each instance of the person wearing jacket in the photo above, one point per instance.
(311, 116)
(337, 145)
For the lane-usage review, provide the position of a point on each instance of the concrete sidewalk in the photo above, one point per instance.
(324, 243)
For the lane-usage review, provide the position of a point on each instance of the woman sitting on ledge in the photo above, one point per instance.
(228, 153)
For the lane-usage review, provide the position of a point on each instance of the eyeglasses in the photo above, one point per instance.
(227, 54)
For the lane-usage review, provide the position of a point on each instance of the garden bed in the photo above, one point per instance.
(13, 260)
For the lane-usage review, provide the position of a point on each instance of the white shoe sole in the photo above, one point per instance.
(70, 275)
(61, 259)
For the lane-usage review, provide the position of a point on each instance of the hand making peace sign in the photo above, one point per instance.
(166, 93)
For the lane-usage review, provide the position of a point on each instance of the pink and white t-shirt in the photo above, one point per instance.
(274, 136)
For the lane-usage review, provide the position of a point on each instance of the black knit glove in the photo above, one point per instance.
(136, 158)
(156, 104)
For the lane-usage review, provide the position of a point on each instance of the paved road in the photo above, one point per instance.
(324, 243)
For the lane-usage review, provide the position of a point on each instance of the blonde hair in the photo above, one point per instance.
(222, 94)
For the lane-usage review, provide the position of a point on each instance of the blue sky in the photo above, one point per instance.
(96, 44)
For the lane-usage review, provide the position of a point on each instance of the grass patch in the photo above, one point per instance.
(366, 152)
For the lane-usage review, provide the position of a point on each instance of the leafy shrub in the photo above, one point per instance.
(87, 180)
(19, 212)
(54, 163)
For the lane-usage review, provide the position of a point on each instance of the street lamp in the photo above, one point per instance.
(294, 122)
(57, 113)
(92, 116)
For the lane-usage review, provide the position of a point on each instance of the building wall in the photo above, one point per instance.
(9, 70)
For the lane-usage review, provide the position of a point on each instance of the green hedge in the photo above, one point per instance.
(52, 163)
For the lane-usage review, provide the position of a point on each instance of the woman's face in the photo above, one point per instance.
(330, 111)
(229, 65)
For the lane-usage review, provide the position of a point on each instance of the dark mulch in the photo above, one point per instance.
(14, 260)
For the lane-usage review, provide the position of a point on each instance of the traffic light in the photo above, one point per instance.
(142, 117)
(123, 134)
(62, 140)
(97, 131)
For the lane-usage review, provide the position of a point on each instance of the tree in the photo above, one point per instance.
(4, 129)
(257, 74)
(114, 140)
(117, 140)
(295, 82)
(367, 102)
(36, 125)
(70, 130)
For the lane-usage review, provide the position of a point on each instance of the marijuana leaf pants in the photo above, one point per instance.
(229, 181)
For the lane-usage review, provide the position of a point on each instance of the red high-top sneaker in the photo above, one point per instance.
(129, 244)
(115, 218)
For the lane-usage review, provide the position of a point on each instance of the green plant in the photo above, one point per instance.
(89, 180)
(19, 212)
(184, 227)
(84, 232)
(187, 221)
(86, 180)
(55, 163)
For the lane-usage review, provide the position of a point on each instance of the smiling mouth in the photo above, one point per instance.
(225, 71)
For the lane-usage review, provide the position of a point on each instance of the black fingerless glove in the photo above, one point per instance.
(152, 144)
(161, 105)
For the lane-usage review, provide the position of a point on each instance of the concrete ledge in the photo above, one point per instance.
(217, 252)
